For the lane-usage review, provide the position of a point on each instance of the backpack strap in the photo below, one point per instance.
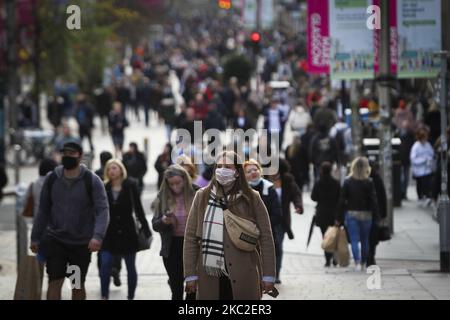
(51, 180)
(88, 180)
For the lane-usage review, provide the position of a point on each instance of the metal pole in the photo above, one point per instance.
(356, 121)
(258, 28)
(444, 202)
(37, 62)
(19, 228)
(12, 61)
(385, 108)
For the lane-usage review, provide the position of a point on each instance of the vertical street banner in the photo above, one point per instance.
(267, 14)
(352, 43)
(249, 8)
(318, 40)
(394, 38)
(419, 36)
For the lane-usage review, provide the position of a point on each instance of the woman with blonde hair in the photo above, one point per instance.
(171, 209)
(358, 205)
(186, 162)
(214, 266)
(121, 236)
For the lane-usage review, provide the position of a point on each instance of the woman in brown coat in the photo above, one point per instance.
(220, 270)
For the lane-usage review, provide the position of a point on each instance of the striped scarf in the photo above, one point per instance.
(212, 240)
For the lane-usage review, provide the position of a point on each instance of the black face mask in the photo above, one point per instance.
(69, 163)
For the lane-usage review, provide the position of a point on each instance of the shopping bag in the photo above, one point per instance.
(29, 279)
(343, 253)
(329, 242)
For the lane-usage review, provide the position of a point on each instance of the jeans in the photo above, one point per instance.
(105, 273)
(359, 231)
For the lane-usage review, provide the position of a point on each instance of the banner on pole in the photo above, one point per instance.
(318, 41)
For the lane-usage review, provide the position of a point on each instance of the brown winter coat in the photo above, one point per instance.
(244, 268)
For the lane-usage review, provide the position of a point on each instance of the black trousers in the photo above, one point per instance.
(225, 290)
(424, 185)
(174, 267)
(328, 255)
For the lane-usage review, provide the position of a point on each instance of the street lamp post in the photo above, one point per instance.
(444, 202)
(384, 79)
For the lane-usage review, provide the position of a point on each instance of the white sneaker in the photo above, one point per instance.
(358, 267)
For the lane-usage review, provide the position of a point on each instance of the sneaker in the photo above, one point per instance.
(358, 267)
(116, 279)
(278, 281)
(335, 263)
(327, 265)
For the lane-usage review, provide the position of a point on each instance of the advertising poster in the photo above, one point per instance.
(318, 40)
(419, 37)
(249, 13)
(267, 14)
(352, 43)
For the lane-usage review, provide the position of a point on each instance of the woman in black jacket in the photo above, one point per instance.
(288, 192)
(163, 161)
(121, 236)
(269, 196)
(359, 206)
(380, 191)
(171, 210)
(326, 193)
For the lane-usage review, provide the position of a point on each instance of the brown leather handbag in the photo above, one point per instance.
(29, 203)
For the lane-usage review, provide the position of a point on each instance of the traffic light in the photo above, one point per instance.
(255, 38)
(224, 4)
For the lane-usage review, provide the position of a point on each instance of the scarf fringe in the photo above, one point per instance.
(215, 272)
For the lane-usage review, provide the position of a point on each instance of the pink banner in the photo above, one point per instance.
(394, 38)
(319, 44)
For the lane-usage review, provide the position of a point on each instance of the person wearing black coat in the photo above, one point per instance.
(269, 196)
(163, 161)
(380, 191)
(3, 180)
(105, 156)
(288, 192)
(408, 138)
(121, 235)
(326, 192)
(136, 164)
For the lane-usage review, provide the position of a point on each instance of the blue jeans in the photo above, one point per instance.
(105, 273)
(359, 231)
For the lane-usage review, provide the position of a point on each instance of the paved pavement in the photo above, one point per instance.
(408, 263)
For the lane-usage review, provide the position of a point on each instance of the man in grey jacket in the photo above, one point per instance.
(71, 222)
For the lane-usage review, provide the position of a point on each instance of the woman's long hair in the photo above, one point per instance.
(240, 184)
(166, 195)
(360, 169)
(118, 163)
